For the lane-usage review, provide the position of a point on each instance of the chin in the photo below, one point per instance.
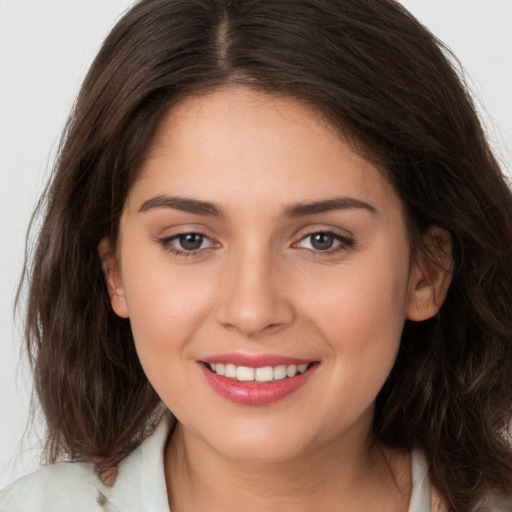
(264, 451)
(265, 444)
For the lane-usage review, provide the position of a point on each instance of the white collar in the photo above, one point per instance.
(141, 483)
(421, 493)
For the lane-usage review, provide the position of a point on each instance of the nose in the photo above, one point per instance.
(254, 295)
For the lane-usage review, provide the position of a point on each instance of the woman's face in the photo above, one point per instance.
(256, 244)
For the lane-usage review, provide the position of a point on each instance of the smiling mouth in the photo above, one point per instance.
(248, 384)
(261, 374)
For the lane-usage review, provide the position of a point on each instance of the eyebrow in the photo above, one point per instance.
(200, 207)
(183, 204)
(327, 205)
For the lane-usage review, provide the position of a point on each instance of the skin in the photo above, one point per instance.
(258, 285)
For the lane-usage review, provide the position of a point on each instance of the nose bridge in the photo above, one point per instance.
(253, 299)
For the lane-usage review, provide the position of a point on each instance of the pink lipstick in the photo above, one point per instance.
(256, 380)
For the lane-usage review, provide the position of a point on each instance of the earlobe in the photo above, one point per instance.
(112, 273)
(430, 276)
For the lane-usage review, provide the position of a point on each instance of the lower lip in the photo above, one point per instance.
(255, 393)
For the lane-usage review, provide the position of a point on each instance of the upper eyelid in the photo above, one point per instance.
(182, 232)
(330, 231)
(176, 236)
(321, 227)
(337, 236)
(337, 232)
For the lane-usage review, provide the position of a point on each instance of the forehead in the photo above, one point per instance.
(235, 143)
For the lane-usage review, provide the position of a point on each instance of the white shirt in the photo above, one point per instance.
(140, 485)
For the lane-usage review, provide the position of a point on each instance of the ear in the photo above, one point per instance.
(430, 276)
(112, 273)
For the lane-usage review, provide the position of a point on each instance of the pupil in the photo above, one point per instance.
(191, 242)
(322, 241)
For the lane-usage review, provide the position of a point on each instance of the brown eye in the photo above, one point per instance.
(326, 242)
(188, 244)
(191, 241)
(322, 241)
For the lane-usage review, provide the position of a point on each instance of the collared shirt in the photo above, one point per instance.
(140, 485)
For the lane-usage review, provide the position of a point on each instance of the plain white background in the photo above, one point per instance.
(45, 50)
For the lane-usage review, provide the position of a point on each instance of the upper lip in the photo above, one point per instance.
(255, 361)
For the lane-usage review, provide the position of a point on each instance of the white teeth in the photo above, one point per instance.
(280, 372)
(244, 373)
(263, 374)
(230, 371)
(291, 370)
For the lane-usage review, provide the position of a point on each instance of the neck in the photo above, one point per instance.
(339, 476)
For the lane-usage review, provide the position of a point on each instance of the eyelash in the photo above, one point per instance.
(166, 243)
(344, 244)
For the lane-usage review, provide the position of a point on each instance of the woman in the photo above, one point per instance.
(281, 222)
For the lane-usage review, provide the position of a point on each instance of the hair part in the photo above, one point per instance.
(377, 75)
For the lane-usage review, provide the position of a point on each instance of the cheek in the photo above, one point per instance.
(361, 316)
(164, 316)
(166, 304)
(369, 296)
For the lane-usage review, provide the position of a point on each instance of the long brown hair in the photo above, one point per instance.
(385, 81)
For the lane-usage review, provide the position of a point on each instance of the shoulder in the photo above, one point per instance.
(75, 486)
(62, 486)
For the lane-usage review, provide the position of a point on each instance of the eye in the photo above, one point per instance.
(325, 241)
(187, 243)
(190, 241)
(321, 241)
